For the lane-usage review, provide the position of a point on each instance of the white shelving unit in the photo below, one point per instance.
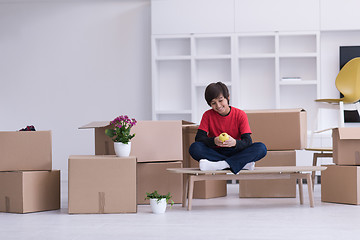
(182, 67)
(252, 65)
(299, 59)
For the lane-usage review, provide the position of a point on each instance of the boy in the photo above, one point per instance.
(236, 153)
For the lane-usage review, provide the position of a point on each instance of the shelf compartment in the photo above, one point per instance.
(295, 96)
(204, 84)
(209, 57)
(298, 82)
(173, 47)
(259, 55)
(304, 68)
(213, 46)
(298, 43)
(173, 84)
(169, 58)
(258, 89)
(213, 70)
(297, 55)
(174, 116)
(256, 45)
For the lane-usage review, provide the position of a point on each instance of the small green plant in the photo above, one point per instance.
(156, 195)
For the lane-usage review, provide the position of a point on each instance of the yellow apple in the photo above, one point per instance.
(223, 137)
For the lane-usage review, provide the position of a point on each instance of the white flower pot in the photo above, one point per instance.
(121, 149)
(158, 206)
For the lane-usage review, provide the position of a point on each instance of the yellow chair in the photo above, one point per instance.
(348, 83)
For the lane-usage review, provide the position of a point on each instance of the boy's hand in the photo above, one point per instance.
(231, 142)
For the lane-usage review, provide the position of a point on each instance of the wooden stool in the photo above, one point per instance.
(319, 152)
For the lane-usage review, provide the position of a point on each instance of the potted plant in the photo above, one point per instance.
(120, 134)
(159, 202)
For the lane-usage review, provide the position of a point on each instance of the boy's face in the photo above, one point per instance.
(220, 105)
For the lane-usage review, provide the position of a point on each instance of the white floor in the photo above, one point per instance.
(228, 217)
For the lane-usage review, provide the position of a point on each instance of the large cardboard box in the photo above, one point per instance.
(275, 187)
(154, 176)
(25, 150)
(280, 129)
(202, 189)
(341, 184)
(153, 141)
(102, 184)
(346, 146)
(29, 191)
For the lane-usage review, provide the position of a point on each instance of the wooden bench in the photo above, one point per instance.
(192, 175)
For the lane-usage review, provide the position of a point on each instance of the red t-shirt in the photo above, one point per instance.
(235, 123)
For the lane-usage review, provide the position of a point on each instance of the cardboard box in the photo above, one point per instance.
(188, 136)
(29, 191)
(341, 184)
(346, 146)
(281, 129)
(202, 189)
(102, 184)
(154, 140)
(274, 187)
(154, 176)
(25, 150)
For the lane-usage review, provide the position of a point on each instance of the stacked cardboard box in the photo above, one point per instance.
(157, 145)
(282, 131)
(27, 181)
(340, 183)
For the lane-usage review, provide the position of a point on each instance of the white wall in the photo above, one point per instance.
(66, 63)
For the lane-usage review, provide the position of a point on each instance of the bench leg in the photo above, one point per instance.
(190, 191)
(301, 194)
(185, 190)
(310, 189)
(315, 157)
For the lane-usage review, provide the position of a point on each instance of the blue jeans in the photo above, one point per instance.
(236, 160)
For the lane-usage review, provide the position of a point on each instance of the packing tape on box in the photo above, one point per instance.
(101, 202)
(7, 204)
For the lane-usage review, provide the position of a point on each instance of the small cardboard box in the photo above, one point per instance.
(341, 184)
(280, 129)
(25, 150)
(154, 176)
(346, 146)
(202, 189)
(274, 187)
(102, 184)
(29, 191)
(153, 141)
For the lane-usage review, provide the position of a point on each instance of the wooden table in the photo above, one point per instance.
(192, 175)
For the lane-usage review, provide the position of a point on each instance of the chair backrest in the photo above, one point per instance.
(348, 81)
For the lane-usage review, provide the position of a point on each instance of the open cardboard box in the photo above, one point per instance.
(346, 146)
(25, 150)
(279, 129)
(153, 141)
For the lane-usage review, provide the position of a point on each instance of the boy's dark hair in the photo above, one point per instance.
(213, 90)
